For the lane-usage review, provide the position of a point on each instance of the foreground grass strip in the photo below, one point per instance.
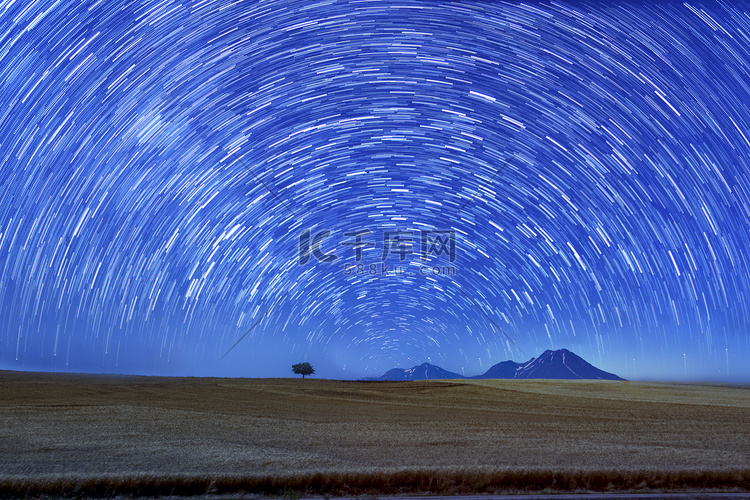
(440, 482)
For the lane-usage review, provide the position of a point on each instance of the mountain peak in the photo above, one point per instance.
(555, 351)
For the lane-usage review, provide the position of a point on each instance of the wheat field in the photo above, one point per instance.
(100, 435)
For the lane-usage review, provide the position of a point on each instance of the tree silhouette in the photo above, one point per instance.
(303, 369)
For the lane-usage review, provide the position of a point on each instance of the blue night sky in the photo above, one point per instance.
(178, 178)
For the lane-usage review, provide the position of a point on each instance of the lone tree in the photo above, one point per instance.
(303, 369)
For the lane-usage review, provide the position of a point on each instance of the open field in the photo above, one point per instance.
(99, 435)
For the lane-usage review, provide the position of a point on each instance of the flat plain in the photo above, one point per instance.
(106, 435)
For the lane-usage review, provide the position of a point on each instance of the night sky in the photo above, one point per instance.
(226, 188)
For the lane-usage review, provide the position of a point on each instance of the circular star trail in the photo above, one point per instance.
(181, 185)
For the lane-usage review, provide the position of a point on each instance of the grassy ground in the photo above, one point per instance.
(99, 435)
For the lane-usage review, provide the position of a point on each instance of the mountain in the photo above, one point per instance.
(506, 369)
(560, 364)
(425, 371)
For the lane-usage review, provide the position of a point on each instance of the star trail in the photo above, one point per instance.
(167, 168)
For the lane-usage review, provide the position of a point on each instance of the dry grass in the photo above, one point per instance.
(97, 435)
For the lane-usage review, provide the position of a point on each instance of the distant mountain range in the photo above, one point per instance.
(560, 364)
